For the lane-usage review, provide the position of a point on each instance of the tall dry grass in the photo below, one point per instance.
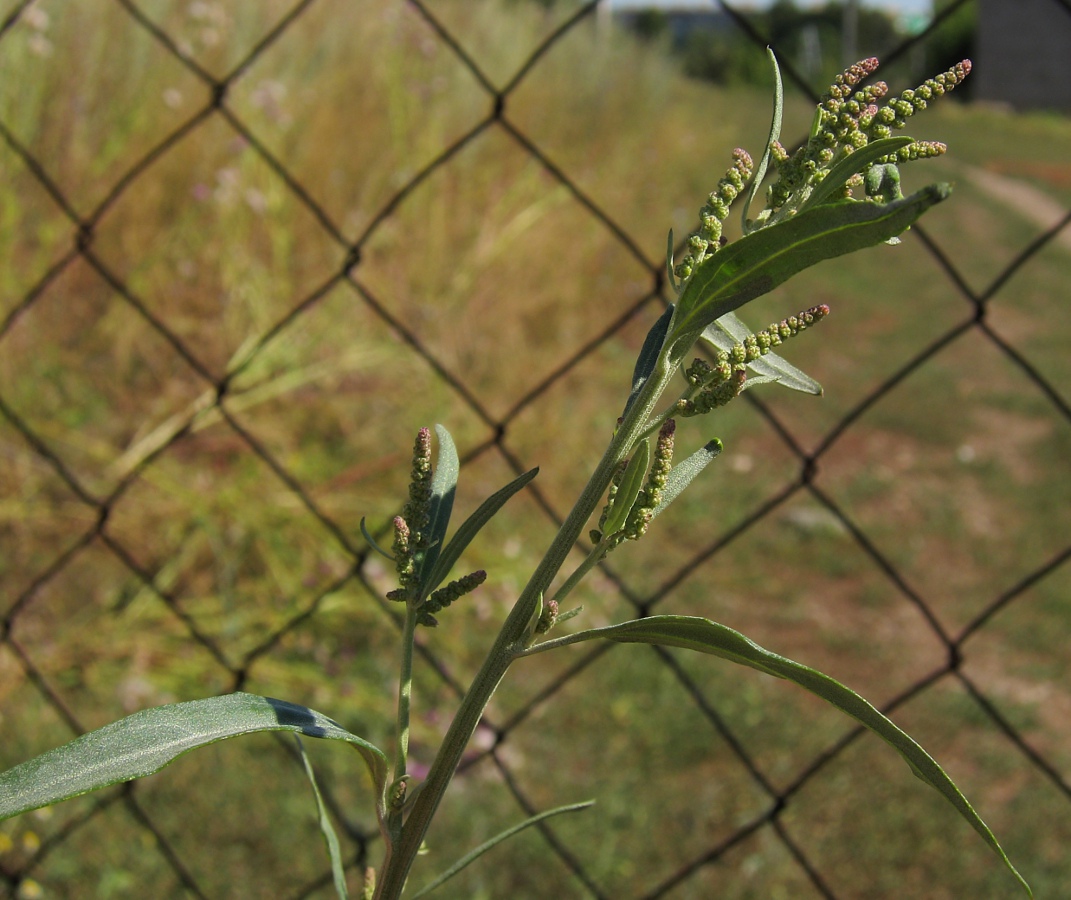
(501, 276)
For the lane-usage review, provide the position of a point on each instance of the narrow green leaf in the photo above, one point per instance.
(669, 263)
(682, 474)
(145, 742)
(723, 333)
(760, 261)
(498, 839)
(705, 636)
(470, 528)
(334, 852)
(372, 541)
(443, 488)
(629, 488)
(775, 134)
(649, 352)
(850, 165)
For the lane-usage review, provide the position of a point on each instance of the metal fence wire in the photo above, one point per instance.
(160, 460)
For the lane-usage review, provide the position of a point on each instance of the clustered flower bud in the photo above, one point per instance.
(651, 494)
(850, 117)
(444, 596)
(396, 798)
(725, 383)
(410, 540)
(418, 508)
(722, 382)
(708, 238)
(548, 618)
(761, 342)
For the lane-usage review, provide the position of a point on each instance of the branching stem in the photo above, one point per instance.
(509, 645)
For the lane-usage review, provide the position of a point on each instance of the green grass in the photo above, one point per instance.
(956, 476)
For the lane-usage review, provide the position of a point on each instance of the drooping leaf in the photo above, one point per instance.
(145, 742)
(334, 852)
(775, 134)
(760, 261)
(498, 839)
(705, 636)
(723, 333)
(629, 488)
(470, 528)
(652, 347)
(682, 474)
(443, 488)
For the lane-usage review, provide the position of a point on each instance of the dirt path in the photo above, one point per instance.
(1030, 202)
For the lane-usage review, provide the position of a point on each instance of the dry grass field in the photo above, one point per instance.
(223, 320)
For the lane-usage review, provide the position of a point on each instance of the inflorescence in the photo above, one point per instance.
(721, 382)
(411, 543)
(847, 120)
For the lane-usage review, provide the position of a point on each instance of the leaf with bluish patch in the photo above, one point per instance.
(145, 742)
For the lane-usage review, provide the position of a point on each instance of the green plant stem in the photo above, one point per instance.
(509, 644)
(597, 554)
(405, 695)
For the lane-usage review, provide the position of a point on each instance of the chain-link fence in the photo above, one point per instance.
(251, 248)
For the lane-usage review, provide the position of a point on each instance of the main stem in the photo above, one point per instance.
(510, 641)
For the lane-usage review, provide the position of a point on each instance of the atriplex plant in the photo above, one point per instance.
(810, 215)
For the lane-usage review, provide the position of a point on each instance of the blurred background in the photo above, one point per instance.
(250, 248)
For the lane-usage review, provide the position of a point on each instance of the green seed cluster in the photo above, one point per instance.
(848, 119)
(651, 495)
(707, 239)
(444, 596)
(410, 538)
(724, 380)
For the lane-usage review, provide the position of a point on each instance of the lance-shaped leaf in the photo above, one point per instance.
(145, 742)
(682, 474)
(470, 528)
(443, 488)
(760, 261)
(705, 636)
(629, 488)
(775, 134)
(728, 331)
(649, 352)
(334, 851)
(498, 839)
(852, 164)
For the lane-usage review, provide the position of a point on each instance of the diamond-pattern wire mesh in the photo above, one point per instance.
(132, 591)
